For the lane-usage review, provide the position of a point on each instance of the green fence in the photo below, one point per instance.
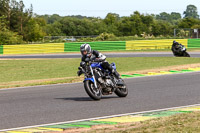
(1, 49)
(193, 43)
(103, 46)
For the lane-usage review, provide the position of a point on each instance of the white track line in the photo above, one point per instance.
(99, 117)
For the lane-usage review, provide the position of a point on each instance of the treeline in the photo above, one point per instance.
(20, 25)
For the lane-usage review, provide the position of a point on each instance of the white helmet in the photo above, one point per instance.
(85, 47)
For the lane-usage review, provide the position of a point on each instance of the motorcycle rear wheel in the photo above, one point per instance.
(94, 93)
(121, 91)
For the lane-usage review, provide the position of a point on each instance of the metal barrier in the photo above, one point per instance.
(153, 44)
(102, 46)
(33, 48)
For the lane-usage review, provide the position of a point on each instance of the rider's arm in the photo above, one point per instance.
(99, 56)
(102, 57)
(82, 66)
(173, 48)
(83, 58)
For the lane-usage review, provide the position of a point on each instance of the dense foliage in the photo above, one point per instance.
(21, 25)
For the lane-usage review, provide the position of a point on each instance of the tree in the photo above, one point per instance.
(175, 16)
(138, 24)
(112, 20)
(161, 28)
(3, 23)
(53, 18)
(7, 36)
(163, 16)
(125, 26)
(33, 31)
(148, 22)
(54, 29)
(191, 12)
(5, 10)
(172, 18)
(188, 23)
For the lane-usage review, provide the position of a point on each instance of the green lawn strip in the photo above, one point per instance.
(164, 113)
(161, 72)
(133, 75)
(60, 69)
(61, 126)
(185, 70)
(83, 124)
(175, 71)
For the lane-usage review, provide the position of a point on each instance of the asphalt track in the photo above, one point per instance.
(109, 55)
(65, 102)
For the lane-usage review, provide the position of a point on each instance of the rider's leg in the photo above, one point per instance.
(106, 65)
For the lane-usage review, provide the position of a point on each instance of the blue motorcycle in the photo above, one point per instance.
(100, 82)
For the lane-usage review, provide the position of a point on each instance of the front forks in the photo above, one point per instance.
(95, 83)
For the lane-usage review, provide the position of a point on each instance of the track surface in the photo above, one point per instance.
(65, 102)
(130, 54)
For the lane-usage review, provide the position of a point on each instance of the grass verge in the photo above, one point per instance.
(181, 123)
(29, 72)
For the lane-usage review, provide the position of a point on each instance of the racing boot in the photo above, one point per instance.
(116, 74)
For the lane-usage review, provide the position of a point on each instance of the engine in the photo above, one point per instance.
(106, 83)
(109, 82)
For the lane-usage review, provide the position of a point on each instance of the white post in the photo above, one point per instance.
(174, 32)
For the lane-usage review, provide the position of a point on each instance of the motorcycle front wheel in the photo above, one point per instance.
(185, 54)
(93, 92)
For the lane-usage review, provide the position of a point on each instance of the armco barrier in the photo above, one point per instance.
(102, 46)
(194, 43)
(1, 49)
(33, 48)
(153, 44)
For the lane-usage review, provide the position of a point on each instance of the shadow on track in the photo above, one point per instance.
(84, 98)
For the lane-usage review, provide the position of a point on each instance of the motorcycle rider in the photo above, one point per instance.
(176, 48)
(94, 55)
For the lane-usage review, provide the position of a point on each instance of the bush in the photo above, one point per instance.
(9, 37)
(105, 36)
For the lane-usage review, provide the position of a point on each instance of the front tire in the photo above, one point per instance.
(186, 54)
(94, 93)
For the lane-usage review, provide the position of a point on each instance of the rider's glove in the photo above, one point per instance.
(96, 59)
(93, 59)
(87, 59)
(79, 72)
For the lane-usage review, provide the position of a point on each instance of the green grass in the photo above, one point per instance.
(20, 70)
(142, 63)
(181, 123)
(38, 69)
